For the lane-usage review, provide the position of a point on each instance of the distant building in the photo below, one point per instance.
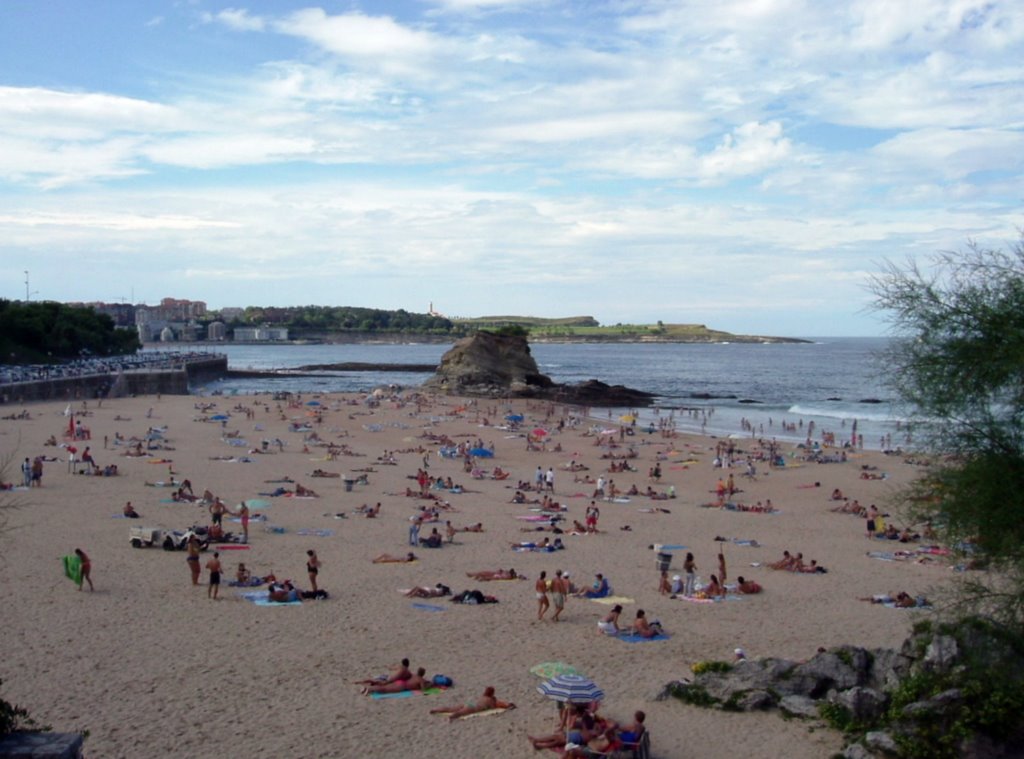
(231, 313)
(216, 331)
(260, 334)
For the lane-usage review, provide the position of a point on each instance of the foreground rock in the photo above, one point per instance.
(491, 366)
(951, 690)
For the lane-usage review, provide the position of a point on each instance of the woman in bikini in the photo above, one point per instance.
(313, 568)
(86, 569)
(386, 558)
(541, 587)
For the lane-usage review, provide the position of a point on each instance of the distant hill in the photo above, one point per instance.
(588, 329)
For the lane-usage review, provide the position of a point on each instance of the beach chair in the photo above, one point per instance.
(641, 749)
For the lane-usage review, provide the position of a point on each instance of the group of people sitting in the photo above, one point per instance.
(796, 563)
(609, 624)
(583, 733)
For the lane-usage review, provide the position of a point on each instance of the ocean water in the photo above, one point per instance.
(770, 390)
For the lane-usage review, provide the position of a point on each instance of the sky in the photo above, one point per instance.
(745, 164)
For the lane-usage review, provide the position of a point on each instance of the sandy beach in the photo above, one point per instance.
(150, 666)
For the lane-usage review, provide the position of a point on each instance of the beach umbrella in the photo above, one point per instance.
(571, 689)
(312, 403)
(549, 669)
(483, 453)
(540, 432)
(220, 417)
(514, 417)
(628, 418)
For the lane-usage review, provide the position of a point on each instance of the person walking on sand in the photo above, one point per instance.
(86, 569)
(558, 592)
(193, 558)
(313, 568)
(214, 568)
(541, 586)
(721, 566)
(26, 472)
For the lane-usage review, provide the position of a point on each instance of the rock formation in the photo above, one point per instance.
(491, 365)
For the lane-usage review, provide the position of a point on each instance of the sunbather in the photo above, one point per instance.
(386, 558)
(493, 574)
(437, 591)
(415, 682)
(485, 702)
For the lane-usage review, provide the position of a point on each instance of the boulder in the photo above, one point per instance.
(491, 365)
(864, 704)
(881, 742)
(799, 706)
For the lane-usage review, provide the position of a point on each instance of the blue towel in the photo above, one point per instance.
(629, 638)
(427, 607)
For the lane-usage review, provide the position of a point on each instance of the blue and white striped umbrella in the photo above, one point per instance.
(571, 688)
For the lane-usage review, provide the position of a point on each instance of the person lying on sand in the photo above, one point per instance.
(747, 586)
(493, 574)
(485, 702)
(415, 682)
(322, 473)
(304, 492)
(437, 591)
(386, 558)
(902, 599)
(478, 527)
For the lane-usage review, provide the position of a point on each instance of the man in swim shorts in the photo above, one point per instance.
(213, 566)
(193, 558)
(558, 591)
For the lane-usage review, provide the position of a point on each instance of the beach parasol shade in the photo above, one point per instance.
(627, 418)
(571, 689)
(483, 453)
(220, 417)
(514, 417)
(540, 432)
(549, 669)
(312, 403)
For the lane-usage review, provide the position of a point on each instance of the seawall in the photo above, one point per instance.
(169, 380)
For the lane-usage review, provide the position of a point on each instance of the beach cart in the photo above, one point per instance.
(145, 537)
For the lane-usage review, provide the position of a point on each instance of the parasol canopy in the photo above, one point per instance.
(571, 689)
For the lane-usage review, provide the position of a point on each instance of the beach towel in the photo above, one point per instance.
(314, 532)
(631, 638)
(260, 598)
(427, 607)
(612, 600)
(408, 693)
(485, 713)
(695, 599)
(669, 547)
(73, 568)
(231, 546)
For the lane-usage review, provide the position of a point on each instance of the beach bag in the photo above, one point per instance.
(442, 681)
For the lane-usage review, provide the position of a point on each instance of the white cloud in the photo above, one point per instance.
(237, 19)
(369, 41)
(750, 149)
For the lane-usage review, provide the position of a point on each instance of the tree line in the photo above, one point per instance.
(47, 331)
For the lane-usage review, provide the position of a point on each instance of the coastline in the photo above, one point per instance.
(221, 676)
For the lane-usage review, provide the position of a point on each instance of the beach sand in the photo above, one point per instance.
(151, 667)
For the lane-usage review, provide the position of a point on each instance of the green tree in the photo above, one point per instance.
(958, 366)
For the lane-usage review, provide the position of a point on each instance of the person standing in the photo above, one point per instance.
(549, 480)
(312, 568)
(541, 587)
(86, 575)
(558, 591)
(26, 472)
(243, 516)
(37, 472)
(193, 558)
(414, 531)
(538, 479)
(213, 566)
(690, 567)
